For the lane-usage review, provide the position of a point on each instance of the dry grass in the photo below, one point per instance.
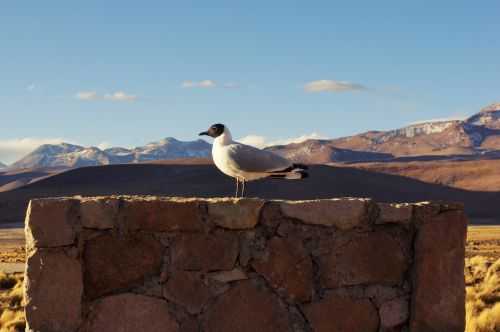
(483, 241)
(13, 255)
(482, 277)
(11, 306)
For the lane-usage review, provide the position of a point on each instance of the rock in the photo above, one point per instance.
(190, 325)
(246, 308)
(99, 213)
(438, 295)
(394, 213)
(271, 215)
(366, 258)
(424, 211)
(393, 313)
(51, 223)
(53, 292)
(130, 312)
(206, 252)
(163, 215)
(380, 294)
(246, 240)
(339, 314)
(228, 276)
(287, 265)
(241, 213)
(188, 290)
(113, 263)
(345, 213)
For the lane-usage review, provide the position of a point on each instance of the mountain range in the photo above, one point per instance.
(2, 165)
(475, 137)
(70, 155)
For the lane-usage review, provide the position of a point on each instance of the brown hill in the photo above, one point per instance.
(480, 175)
(206, 181)
(12, 179)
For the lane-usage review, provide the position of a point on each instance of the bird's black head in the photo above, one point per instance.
(214, 131)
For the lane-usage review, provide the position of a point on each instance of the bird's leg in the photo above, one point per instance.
(237, 185)
(243, 188)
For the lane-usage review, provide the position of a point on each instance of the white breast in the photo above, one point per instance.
(219, 154)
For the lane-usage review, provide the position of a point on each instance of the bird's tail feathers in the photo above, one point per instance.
(300, 166)
(293, 175)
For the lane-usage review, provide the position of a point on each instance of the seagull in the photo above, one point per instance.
(246, 163)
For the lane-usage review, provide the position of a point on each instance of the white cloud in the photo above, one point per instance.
(200, 84)
(87, 95)
(254, 140)
(116, 96)
(31, 87)
(231, 85)
(332, 86)
(120, 96)
(262, 141)
(13, 149)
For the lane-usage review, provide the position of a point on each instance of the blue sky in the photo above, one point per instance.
(129, 72)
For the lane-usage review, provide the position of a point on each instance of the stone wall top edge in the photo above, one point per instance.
(445, 205)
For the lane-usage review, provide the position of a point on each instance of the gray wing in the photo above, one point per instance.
(249, 159)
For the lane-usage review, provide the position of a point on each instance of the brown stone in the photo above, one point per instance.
(206, 252)
(190, 325)
(375, 257)
(393, 313)
(380, 294)
(130, 312)
(51, 222)
(341, 314)
(287, 265)
(438, 280)
(345, 213)
(113, 263)
(246, 240)
(228, 276)
(394, 213)
(161, 215)
(53, 292)
(271, 215)
(424, 211)
(99, 212)
(188, 290)
(246, 308)
(235, 213)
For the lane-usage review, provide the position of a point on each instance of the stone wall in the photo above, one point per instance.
(128, 263)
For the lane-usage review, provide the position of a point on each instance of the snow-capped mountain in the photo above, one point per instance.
(489, 117)
(170, 148)
(64, 154)
(477, 135)
(2, 165)
(69, 155)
